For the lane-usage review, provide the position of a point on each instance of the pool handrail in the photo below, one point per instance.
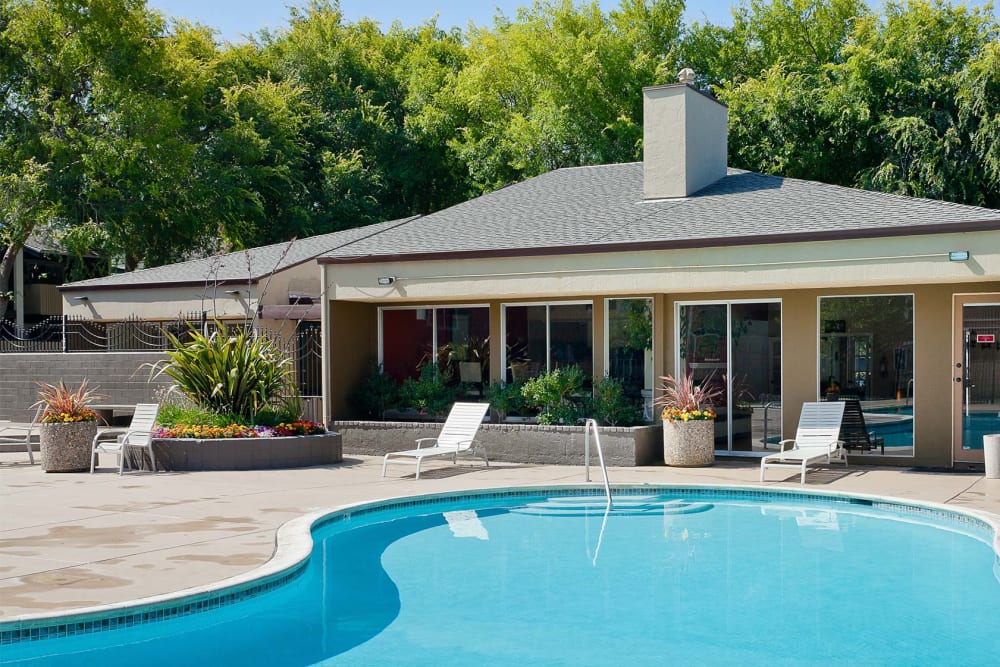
(588, 426)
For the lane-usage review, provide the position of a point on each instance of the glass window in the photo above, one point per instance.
(541, 338)
(866, 358)
(571, 337)
(407, 341)
(630, 348)
(457, 338)
(463, 336)
(527, 342)
(737, 347)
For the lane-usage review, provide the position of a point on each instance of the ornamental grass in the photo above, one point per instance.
(65, 406)
(237, 374)
(685, 400)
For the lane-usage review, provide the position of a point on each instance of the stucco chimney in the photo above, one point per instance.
(684, 139)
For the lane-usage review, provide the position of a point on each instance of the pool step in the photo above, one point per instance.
(628, 505)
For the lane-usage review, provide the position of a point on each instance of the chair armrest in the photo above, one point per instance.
(420, 441)
(104, 433)
(781, 445)
(130, 432)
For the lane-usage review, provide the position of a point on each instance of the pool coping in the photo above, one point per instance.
(294, 545)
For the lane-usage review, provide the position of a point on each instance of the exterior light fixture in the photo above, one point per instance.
(81, 298)
(386, 280)
(233, 292)
(958, 256)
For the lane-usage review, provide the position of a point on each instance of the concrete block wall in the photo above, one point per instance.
(118, 376)
(516, 443)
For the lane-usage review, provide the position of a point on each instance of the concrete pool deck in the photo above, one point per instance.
(78, 540)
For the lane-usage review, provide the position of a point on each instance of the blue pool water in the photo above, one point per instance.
(976, 425)
(900, 433)
(893, 433)
(695, 577)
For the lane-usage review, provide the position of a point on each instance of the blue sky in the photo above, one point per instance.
(236, 18)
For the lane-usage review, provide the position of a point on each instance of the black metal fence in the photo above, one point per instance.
(69, 334)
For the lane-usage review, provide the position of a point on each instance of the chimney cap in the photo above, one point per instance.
(686, 75)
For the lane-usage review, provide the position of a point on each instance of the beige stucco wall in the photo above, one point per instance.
(353, 346)
(817, 265)
(933, 332)
(164, 303)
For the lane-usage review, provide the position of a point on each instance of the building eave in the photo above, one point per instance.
(677, 244)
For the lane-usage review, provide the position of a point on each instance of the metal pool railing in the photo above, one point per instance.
(588, 426)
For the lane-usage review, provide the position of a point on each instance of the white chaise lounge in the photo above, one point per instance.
(457, 436)
(817, 440)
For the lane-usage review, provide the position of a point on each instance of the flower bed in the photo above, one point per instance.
(206, 432)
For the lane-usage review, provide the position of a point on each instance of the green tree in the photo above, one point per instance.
(902, 100)
(25, 205)
(90, 93)
(558, 87)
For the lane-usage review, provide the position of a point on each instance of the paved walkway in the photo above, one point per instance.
(77, 540)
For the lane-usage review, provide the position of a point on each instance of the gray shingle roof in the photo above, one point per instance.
(242, 266)
(603, 205)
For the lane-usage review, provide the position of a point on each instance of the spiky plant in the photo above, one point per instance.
(236, 374)
(682, 399)
(63, 405)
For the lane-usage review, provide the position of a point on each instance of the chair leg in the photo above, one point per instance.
(385, 462)
(803, 473)
(121, 460)
(762, 469)
(418, 468)
(93, 459)
(152, 458)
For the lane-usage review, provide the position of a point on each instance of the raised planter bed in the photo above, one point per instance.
(248, 453)
(515, 443)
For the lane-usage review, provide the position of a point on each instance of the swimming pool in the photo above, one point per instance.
(895, 431)
(899, 432)
(549, 576)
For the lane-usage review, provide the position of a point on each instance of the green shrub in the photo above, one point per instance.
(507, 399)
(238, 374)
(432, 394)
(377, 393)
(173, 414)
(611, 407)
(554, 394)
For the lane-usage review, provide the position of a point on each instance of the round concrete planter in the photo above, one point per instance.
(689, 444)
(66, 447)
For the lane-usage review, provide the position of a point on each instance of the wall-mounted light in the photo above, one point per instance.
(958, 256)
(81, 298)
(386, 280)
(233, 292)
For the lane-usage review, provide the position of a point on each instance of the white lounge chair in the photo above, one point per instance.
(11, 433)
(457, 436)
(817, 440)
(137, 434)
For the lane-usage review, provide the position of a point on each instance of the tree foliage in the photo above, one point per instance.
(904, 100)
(149, 141)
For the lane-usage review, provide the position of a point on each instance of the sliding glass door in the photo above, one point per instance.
(737, 346)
